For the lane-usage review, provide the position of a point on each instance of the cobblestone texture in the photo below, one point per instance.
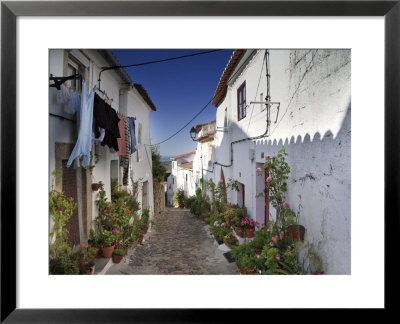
(178, 243)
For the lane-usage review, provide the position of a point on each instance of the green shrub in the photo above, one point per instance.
(219, 232)
(118, 252)
(179, 198)
(261, 238)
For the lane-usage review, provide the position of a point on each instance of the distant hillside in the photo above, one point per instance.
(166, 160)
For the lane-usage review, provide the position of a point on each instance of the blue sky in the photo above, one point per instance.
(179, 89)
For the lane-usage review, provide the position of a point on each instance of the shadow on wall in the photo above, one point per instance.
(319, 190)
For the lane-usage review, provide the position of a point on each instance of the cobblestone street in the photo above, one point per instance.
(178, 243)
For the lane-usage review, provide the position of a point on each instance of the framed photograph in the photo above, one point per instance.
(369, 30)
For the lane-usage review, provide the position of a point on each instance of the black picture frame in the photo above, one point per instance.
(10, 10)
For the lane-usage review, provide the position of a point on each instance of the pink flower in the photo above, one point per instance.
(223, 224)
(221, 181)
(265, 165)
(115, 231)
(274, 238)
(234, 238)
(258, 256)
(286, 205)
(277, 257)
(81, 244)
(267, 157)
(281, 235)
(271, 244)
(128, 211)
(253, 223)
(258, 170)
(245, 221)
(269, 179)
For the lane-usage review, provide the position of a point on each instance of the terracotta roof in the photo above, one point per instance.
(145, 95)
(221, 88)
(188, 165)
(183, 155)
(198, 127)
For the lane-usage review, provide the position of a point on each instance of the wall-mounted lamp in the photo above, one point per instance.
(193, 134)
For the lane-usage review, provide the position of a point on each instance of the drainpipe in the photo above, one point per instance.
(268, 105)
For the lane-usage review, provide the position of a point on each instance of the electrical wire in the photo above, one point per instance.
(176, 133)
(158, 61)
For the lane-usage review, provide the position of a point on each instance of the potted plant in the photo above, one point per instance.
(97, 186)
(109, 240)
(117, 255)
(249, 226)
(134, 240)
(93, 244)
(219, 231)
(144, 220)
(245, 258)
(261, 238)
(230, 239)
(229, 215)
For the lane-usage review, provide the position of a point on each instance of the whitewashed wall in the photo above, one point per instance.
(130, 103)
(314, 126)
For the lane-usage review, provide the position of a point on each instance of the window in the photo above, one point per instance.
(73, 68)
(241, 98)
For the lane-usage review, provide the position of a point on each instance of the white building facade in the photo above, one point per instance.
(126, 98)
(309, 116)
(204, 157)
(181, 176)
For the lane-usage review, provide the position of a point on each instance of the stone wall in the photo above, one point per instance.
(159, 197)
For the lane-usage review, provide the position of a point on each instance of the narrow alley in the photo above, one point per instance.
(178, 243)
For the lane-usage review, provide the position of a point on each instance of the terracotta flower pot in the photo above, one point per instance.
(134, 244)
(296, 232)
(245, 270)
(249, 232)
(96, 186)
(117, 258)
(107, 251)
(125, 251)
(239, 231)
(229, 245)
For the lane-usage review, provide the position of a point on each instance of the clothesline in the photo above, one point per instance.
(99, 122)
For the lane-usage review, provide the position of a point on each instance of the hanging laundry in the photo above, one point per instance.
(132, 132)
(84, 143)
(107, 118)
(127, 130)
(101, 137)
(73, 104)
(62, 95)
(124, 160)
(121, 140)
